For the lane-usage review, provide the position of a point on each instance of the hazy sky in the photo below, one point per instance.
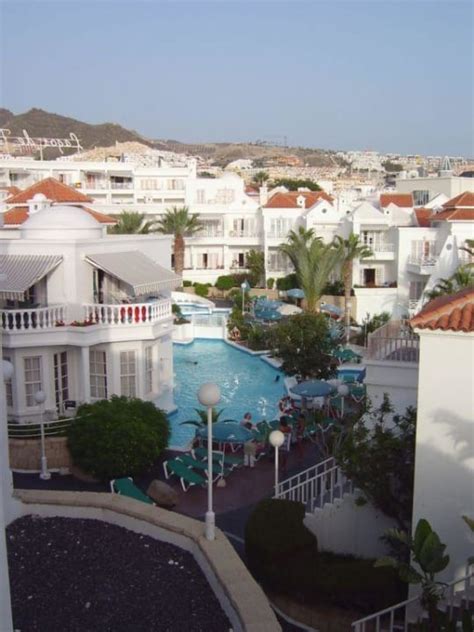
(382, 75)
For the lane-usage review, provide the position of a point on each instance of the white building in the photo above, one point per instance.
(444, 462)
(84, 315)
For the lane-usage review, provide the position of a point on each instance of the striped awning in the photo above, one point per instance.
(135, 269)
(19, 272)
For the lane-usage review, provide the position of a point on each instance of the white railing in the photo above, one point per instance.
(132, 314)
(382, 247)
(36, 318)
(121, 185)
(457, 595)
(317, 485)
(423, 260)
(57, 427)
(395, 342)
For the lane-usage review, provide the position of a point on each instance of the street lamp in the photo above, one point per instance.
(277, 439)
(348, 322)
(343, 391)
(245, 287)
(209, 395)
(40, 398)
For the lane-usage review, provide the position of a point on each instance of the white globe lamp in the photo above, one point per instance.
(343, 391)
(277, 439)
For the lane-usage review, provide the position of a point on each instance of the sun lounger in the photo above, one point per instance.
(230, 460)
(126, 487)
(186, 475)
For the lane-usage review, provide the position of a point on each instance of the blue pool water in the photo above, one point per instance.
(247, 384)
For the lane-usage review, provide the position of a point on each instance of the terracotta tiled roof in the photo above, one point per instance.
(463, 199)
(16, 216)
(11, 190)
(448, 313)
(458, 209)
(52, 189)
(289, 200)
(403, 200)
(423, 216)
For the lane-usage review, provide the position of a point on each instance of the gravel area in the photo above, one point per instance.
(88, 576)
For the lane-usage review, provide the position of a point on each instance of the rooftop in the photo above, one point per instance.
(448, 313)
(402, 200)
(290, 199)
(18, 215)
(52, 189)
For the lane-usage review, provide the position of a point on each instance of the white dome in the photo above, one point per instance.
(39, 197)
(61, 222)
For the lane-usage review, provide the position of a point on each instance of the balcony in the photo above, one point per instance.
(121, 185)
(422, 264)
(382, 250)
(394, 342)
(71, 321)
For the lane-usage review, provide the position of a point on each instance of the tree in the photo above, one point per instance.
(469, 248)
(313, 262)
(462, 279)
(379, 458)
(394, 167)
(130, 223)
(304, 345)
(260, 178)
(293, 184)
(178, 221)
(349, 250)
(255, 262)
(201, 422)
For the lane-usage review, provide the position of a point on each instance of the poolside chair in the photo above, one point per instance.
(357, 392)
(126, 487)
(187, 476)
(230, 460)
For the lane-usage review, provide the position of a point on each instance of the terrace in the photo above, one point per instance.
(394, 342)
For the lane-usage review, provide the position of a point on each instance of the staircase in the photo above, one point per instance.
(458, 597)
(318, 485)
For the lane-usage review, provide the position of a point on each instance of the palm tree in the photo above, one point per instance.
(313, 261)
(349, 250)
(261, 177)
(463, 278)
(178, 221)
(129, 223)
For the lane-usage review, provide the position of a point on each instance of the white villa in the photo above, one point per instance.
(84, 315)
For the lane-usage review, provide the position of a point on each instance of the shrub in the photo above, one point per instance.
(117, 437)
(201, 289)
(240, 277)
(225, 282)
(335, 288)
(187, 283)
(270, 283)
(287, 283)
(257, 338)
(284, 556)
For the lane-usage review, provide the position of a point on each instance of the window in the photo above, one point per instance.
(98, 374)
(128, 374)
(148, 369)
(420, 198)
(61, 388)
(200, 196)
(8, 387)
(33, 382)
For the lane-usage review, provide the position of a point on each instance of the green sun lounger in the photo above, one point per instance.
(126, 487)
(230, 460)
(186, 475)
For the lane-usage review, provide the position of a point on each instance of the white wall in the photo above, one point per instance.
(398, 379)
(444, 464)
(344, 527)
(376, 300)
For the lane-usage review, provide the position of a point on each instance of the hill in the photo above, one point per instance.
(39, 123)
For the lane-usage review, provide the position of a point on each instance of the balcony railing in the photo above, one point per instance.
(36, 318)
(47, 318)
(423, 260)
(381, 247)
(121, 185)
(136, 313)
(243, 233)
(394, 342)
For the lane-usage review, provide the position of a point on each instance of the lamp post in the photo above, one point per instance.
(343, 391)
(245, 287)
(209, 395)
(348, 322)
(277, 439)
(40, 398)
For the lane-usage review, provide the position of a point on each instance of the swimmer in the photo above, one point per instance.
(277, 378)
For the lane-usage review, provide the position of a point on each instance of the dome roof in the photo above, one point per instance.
(61, 222)
(39, 197)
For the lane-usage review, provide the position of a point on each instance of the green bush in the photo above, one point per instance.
(287, 283)
(335, 288)
(284, 556)
(187, 283)
(257, 338)
(240, 277)
(270, 283)
(225, 282)
(273, 534)
(201, 289)
(117, 437)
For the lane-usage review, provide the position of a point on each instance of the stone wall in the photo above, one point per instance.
(25, 454)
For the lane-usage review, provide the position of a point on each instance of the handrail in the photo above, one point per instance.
(127, 314)
(394, 341)
(33, 431)
(409, 617)
(315, 486)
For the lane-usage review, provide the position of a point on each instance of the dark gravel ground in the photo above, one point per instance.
(88, 576)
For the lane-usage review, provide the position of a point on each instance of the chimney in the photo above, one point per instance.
(301, 201)
(263, 195)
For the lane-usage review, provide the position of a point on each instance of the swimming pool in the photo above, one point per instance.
(247, 384)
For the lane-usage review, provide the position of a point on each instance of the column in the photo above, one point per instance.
(85, 375)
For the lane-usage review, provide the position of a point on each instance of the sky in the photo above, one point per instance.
(379, 75)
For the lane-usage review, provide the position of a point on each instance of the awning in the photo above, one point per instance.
(19, 272)
(136, 270)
